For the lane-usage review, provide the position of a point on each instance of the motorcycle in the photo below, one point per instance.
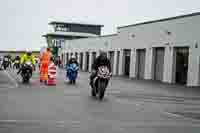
(100, 82)
(72, 72)
(5, 63)
(16, 64)
(26, 73)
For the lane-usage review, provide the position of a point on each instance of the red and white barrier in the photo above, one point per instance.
(52, 72)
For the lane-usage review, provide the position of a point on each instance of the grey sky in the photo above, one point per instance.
(24, 21)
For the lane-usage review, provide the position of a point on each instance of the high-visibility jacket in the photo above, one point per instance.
(45, 58)
(25, 58)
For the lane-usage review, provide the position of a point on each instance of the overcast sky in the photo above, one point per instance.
(24, 21)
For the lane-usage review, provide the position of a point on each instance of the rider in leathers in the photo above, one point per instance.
(71, 61)
(101, 60)
(25, 58)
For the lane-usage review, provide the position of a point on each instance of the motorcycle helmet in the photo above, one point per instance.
(73, 57)
(29, 52)
(103, 53)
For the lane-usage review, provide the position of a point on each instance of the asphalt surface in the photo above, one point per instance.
(130, 106)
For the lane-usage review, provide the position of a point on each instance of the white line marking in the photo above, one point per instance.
(174, 115)
(29, 121)
(18, 121)
(11, 78)
(56, 123)
(8, 120)
(75, 122)
(60, 126)
(60, 122)
(180, 116)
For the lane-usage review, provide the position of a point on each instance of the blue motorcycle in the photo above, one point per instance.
(72, 72)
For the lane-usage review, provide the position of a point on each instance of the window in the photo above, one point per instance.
(62, 28)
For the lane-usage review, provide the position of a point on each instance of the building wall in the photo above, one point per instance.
(85, 29)
(182, 32)
(96, 43)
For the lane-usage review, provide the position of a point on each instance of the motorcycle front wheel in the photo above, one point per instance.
(74, 81)
(93, 92)
(25, 80)
(101, 89)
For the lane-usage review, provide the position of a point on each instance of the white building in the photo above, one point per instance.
(167, 50)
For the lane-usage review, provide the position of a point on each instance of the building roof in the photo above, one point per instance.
(74, 23)
(109, 35)
(70, 34)
(161, 20)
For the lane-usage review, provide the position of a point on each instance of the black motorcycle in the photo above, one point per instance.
(5, 63)
(16, 64)
(100, 82)
(26, 72)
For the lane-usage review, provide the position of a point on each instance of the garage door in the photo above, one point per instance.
(93, 56)
(127, 54)
(81, 60)
(117, 67)
(182, 55)
(76, 56)
(159, 63)
(87, 61)
(67, 57)
(111, 57)
(140, 63)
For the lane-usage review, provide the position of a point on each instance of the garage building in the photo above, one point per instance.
(167, 50)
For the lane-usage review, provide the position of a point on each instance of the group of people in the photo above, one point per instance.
(101, 60)
(47, 58)
(7, 59)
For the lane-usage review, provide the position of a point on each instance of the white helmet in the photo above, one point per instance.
(29, 52)
(73, 56)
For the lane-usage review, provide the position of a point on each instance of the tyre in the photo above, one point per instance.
(102, 87)
(70, 82)
(24, 80)
(28, 79)
(74, 81)
(101, 94)
(93, 92)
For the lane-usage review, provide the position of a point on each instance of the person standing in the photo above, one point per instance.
(45, 60)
